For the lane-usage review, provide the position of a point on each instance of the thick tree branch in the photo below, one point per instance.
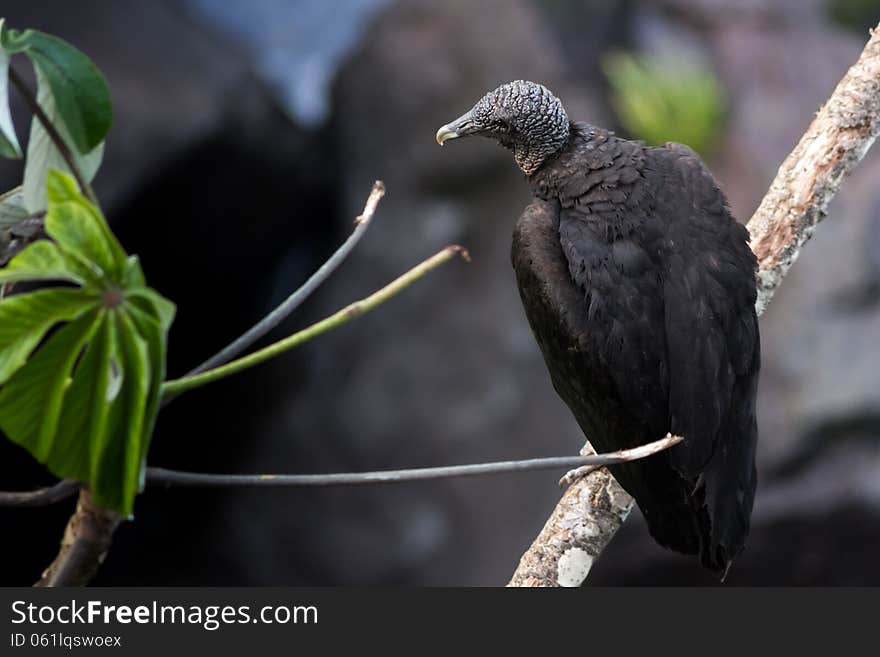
(833, 145)
(594, 508)
(85, 544)
(583, 522)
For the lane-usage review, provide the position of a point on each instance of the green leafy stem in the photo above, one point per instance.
(56, 138)
(83, 399)
(82, 357)
(338, 318)
(72, 112)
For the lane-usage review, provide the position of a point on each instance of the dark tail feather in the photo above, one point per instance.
(729, 482)
(675, 529)
(709, 516)
(688, 529)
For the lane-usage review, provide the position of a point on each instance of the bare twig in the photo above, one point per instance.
(42, 496)
(163, 477)
(633, 454)
(54, 135)
(60, 569)
(340, 317)
(292, 302)
(65, 488)
(171, 477)
(85, 544)
(593, 509)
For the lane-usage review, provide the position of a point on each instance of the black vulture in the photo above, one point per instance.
(639, 287)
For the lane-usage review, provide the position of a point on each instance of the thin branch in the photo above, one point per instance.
(90, 530)
(350, 312)
(160, 476)
(54, 135)
(292, 302)
(72, 564)
(163, 477)
(593, 509)
(65, 488)
(42, 496)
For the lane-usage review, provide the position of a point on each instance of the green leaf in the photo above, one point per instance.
(85, 404)
(44, 260)
(84, 411)
(13, 41)
(12, 208)
(31, 401)
(79, 92)
(43, 155)
(79, 229)
(25, 319)
(157, 305)
(107, 401)
(133, 275)
(8, 140)
(132, 416)
(84, 399)
(155, 336)
(96, 373)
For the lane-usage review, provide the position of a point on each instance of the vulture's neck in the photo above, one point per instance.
(541, 145)
(585, 149)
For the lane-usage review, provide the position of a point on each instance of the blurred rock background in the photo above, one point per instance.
(247, 136)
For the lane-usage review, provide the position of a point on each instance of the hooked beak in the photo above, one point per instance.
(461, 127)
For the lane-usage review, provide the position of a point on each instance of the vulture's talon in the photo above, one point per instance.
(573, 476)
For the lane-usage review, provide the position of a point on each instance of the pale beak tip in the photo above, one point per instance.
(444, 134)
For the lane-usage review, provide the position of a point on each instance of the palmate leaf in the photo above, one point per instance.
(77, 87)
(31, 401)
(43, 155)
(74, 97)
(80, 230)
(84, 399)
(26, 318)
(43, 260)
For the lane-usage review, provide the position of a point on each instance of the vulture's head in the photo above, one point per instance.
(522, 116)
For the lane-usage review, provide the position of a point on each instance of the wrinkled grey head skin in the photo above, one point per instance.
(522, 116)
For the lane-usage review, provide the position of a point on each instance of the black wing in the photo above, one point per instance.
(605, 351)
(713, 347)
(639, 287)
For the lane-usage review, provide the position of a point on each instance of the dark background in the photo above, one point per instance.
(247, 136)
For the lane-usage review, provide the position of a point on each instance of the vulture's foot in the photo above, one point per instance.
(573, 476)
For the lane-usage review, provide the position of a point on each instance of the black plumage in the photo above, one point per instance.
(639, 287)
